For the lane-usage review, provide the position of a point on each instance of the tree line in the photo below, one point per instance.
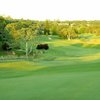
(12, 31)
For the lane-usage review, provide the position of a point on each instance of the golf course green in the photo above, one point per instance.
(69, 70)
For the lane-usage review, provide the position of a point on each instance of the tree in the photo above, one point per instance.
(2, 27)
(26, 34)
(54, 29)
(47, 27)
(5, 37)
(67, 31)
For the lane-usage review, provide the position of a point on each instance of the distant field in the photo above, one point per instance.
(69, 70)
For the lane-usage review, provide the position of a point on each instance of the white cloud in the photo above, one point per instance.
(51, 9)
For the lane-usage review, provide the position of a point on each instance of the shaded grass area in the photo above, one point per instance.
(18, 69)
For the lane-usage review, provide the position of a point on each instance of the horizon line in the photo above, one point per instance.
(55, 19)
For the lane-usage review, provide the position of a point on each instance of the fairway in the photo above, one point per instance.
(67, 71)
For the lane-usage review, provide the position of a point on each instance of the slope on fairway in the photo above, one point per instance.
(65, 72)
(61, 85)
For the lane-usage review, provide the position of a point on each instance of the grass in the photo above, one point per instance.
(26, 65)
(67, 71)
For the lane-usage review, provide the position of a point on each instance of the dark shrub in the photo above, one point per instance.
(6, 47)
(42, 47)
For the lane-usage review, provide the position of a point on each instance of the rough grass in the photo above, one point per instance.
(26, 65)
(67, 71)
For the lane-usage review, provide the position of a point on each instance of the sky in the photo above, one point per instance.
(51, 9)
